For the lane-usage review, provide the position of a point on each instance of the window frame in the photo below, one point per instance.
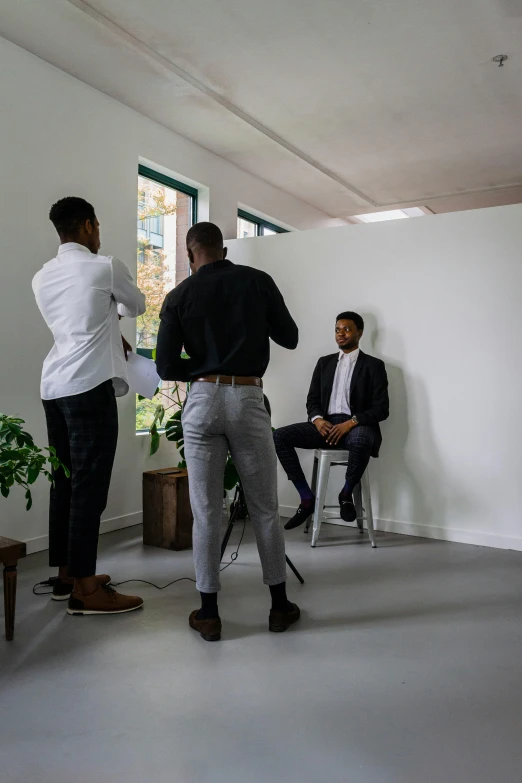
(260, 223)
(182, 187)
(170, 182)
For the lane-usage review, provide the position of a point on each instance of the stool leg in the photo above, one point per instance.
(313, 488)
(320, 497)
(357, 499)
(369, 512)
(10, 575)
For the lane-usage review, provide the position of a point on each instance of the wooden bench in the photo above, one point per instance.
(11, 552)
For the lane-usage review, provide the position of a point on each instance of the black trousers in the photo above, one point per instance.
(84, 431)
(359, 442)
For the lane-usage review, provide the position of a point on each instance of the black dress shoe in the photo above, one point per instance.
(348, 511)
(278, 622)
(300, 516)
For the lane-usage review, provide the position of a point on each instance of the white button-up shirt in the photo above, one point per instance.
(340, 399)
(80, 296)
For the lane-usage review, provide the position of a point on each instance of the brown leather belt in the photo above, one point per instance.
(230, 380)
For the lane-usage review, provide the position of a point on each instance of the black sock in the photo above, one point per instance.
(280, 602)
(346, 492)
(209, 607)
(305, 493)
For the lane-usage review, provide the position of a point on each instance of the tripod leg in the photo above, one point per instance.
(292, 567)
(227, 535)
(233, 514)
(239, 499)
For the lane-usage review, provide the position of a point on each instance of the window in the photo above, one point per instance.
(252, 226)
(166, 211)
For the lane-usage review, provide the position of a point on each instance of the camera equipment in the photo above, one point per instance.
(237, 504)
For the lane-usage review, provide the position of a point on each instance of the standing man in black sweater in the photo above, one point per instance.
(224, 316)
(348, 398)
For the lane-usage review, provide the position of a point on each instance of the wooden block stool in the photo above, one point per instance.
(10, 553)
(167, 515)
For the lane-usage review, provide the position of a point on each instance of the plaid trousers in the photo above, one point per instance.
(84, 431)
(359, 442)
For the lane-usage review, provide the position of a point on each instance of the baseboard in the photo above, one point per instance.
(40, 543)
(477, 538)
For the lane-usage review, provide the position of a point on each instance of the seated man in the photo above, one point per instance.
(348, 398)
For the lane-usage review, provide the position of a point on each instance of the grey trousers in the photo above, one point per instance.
(216, 419)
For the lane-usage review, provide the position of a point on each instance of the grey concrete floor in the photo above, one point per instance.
(405, 668)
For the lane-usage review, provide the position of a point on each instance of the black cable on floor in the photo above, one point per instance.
(233, 557)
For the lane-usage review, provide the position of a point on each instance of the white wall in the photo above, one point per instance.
(441, 300)
(59, 137)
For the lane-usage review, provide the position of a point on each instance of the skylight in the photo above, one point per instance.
(391, 214)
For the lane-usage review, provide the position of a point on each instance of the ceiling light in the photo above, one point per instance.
(414, 212)
(392, 214)
(377, 217)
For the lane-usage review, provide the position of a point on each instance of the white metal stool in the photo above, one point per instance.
(324, 459)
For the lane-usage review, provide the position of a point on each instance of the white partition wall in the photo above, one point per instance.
(441, 299)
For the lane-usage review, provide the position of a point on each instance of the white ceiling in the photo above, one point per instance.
(351, 106)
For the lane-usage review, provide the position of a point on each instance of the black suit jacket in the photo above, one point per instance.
(368, 392)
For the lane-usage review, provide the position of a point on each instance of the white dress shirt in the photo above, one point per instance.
(340, 398)
(80, 295)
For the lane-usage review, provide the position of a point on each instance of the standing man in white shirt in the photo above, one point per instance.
(81, 295)
(348, 398)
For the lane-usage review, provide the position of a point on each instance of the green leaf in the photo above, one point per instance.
(7, 455)
(154, 442)
(21, 461)
(33, 473)
(159, 413)
(174, 430)
(29, 500)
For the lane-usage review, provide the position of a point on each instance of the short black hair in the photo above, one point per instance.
(68, 214)
(205, 236)
(355, 317)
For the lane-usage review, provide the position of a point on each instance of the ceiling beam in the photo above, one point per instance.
(423, 200)
(170, 66)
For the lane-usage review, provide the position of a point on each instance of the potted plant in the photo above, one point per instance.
(167, 521)
(21, 461)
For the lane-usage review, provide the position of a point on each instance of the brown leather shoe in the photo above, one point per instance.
(104, 600)
(62, 588)
(209, 630)
(281, 621)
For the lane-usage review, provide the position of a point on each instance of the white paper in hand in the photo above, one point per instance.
(143, 378)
